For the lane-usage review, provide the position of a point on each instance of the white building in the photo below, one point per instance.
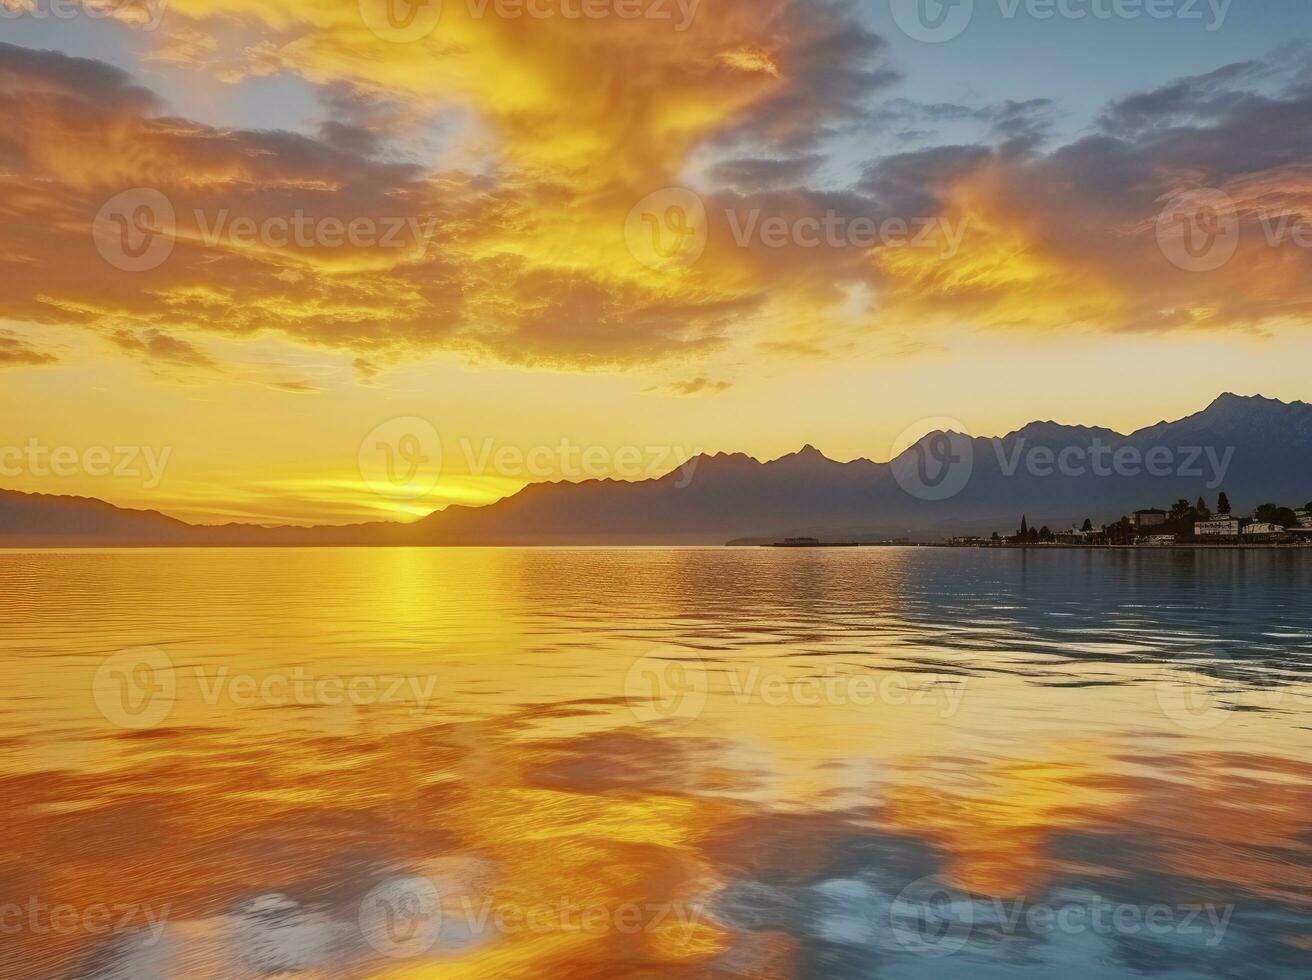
(1261, 527)
(1217, 527)
(1304, 517)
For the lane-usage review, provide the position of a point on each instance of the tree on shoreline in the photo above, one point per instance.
(1273, 514)
(1122, 532)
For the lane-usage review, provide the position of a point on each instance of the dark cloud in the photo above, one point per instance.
(362, 122)
(833, 66)
(494, 279)
(294, 386)
(1072, 237)
(1018, 126)
(693, 386)
(84, 79)
(160, 346)
(911, 183)
(15, 351)
(1022, 126)
(1195, 98)
(900, 111)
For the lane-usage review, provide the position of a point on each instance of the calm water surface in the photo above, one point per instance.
(893, 763)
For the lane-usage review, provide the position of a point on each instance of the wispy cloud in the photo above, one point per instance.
(693, 386)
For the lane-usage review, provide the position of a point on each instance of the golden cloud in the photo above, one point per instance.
(519, 242)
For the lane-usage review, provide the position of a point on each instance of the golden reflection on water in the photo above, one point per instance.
(1010, 725)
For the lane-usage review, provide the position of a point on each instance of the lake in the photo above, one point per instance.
(859, 763)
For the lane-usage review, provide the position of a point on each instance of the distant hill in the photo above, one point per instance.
(42, 520)
(1255, 449)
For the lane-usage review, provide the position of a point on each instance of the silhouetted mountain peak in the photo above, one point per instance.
(1050, 431)
(807, 454)
(717, 462)
(1235, 416)
(1228, 403)
(1045, 427)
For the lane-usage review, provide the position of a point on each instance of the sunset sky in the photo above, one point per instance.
(567, 228)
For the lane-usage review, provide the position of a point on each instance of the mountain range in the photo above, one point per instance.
(1255, 449)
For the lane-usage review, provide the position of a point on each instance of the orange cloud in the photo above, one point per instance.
(537, 235)
(528, 262)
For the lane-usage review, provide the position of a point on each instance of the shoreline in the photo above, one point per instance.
(1175, 546)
